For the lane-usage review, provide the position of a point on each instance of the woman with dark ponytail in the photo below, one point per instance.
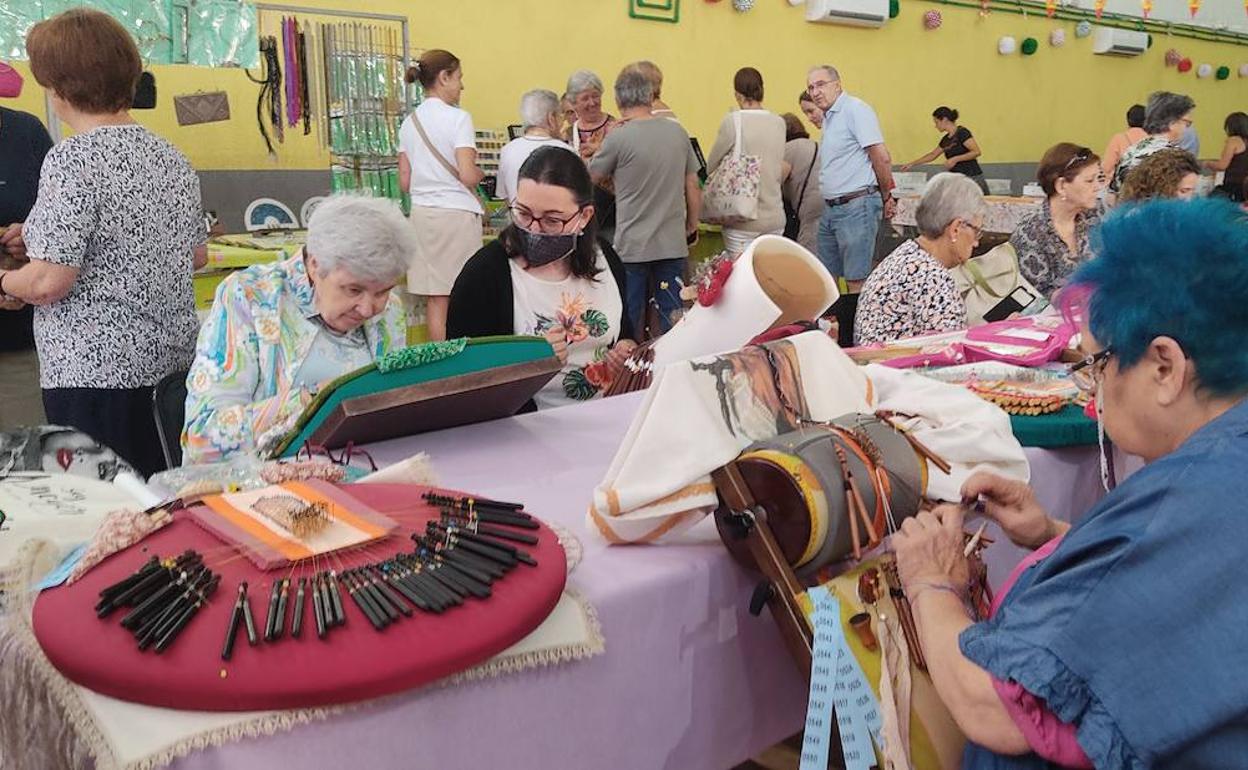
(958, 145)
(549, 274)
(438, 169)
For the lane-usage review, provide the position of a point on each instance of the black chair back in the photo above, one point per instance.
(169, 409)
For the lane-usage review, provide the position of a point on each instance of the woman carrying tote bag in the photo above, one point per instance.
(743, 189)
(438, 168)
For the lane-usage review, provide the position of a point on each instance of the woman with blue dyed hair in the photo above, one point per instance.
(1119, 642)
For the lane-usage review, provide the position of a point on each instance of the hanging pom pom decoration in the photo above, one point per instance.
(1083, 29)
(1173, 57)
(932, 20)
(1185, 65)
(1243, 70)
(1030, 45)
(1204, 70)
(1057, 38)
(894, 8)
(1100, 8)
(1050, 8)
(1223, 73)
(1147, 6)
(743, 5)
(1006, 45)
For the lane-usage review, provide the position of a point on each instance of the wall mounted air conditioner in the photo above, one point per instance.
(1109, 41)
(856, 13)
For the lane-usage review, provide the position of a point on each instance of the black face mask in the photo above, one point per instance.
(542, 249)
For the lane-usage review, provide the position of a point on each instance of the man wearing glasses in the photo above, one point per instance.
(856, 181)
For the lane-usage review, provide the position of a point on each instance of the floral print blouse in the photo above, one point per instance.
(1044, 259)
(588, 311)
(908, 294)
(243, 393)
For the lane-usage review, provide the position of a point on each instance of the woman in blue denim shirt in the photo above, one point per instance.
(1121, 645)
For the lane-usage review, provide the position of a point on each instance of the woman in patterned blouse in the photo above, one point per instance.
(278, 332)
(912, 292)
(1053, 240)
(111, 243)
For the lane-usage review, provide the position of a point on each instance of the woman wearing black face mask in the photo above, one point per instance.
(548, 274)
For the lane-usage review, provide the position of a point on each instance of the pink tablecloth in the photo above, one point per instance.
(689, 679)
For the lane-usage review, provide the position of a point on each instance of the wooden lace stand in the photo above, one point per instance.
(781, 587)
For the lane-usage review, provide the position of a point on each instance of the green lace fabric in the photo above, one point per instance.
(419, 355)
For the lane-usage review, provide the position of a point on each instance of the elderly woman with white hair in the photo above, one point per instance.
(592, 124)
(278, 332)
(912, 292)
(540, 115)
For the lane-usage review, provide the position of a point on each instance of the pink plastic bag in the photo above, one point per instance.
(1040, 339)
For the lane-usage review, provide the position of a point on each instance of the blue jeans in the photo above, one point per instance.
(847, 236)
(666, 276)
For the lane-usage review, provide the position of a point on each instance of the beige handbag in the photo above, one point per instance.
(991, 284)
(201, 107)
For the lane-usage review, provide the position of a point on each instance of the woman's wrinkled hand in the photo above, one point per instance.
(13, 243)
(929, 548)
(559, 341)
(1012, 505)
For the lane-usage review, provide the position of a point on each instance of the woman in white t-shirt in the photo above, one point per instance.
(549, 275)
(438, 168)
(762, 135)
(539, 114)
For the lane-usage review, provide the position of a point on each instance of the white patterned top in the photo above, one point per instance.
(122, 206)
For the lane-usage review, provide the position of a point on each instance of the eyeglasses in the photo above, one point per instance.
(979, 231)
(343, 457)
(1087, 373)
(548, 223)
(818, 84)
(1187, 122)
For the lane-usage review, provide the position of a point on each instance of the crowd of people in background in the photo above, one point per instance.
(604, 209)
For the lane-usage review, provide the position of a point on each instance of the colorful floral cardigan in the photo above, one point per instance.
(240, 391)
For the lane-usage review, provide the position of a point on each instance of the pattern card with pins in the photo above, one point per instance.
(451, 581)
(289, 522)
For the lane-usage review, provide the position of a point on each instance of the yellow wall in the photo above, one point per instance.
(1017, 106)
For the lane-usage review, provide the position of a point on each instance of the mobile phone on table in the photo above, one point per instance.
(1014, 303)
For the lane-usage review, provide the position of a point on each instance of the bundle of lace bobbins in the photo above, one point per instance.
(164, 596)
(458, 558)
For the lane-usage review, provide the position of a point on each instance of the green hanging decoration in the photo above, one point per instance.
(1030, 46)
(655, 10)
(419, 355)
(1223, 73)
(894, 8)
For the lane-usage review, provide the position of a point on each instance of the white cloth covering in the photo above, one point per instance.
(659, 485)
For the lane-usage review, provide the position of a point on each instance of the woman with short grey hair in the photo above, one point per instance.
(586, 137)
(912, 292)
(1166, 117)
(592, 124)
(539, 114)
(278, 332)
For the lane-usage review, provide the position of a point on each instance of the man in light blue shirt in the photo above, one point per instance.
(856, 182)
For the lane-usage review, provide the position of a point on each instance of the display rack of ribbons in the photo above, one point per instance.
(338, 76)
(304, 593)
